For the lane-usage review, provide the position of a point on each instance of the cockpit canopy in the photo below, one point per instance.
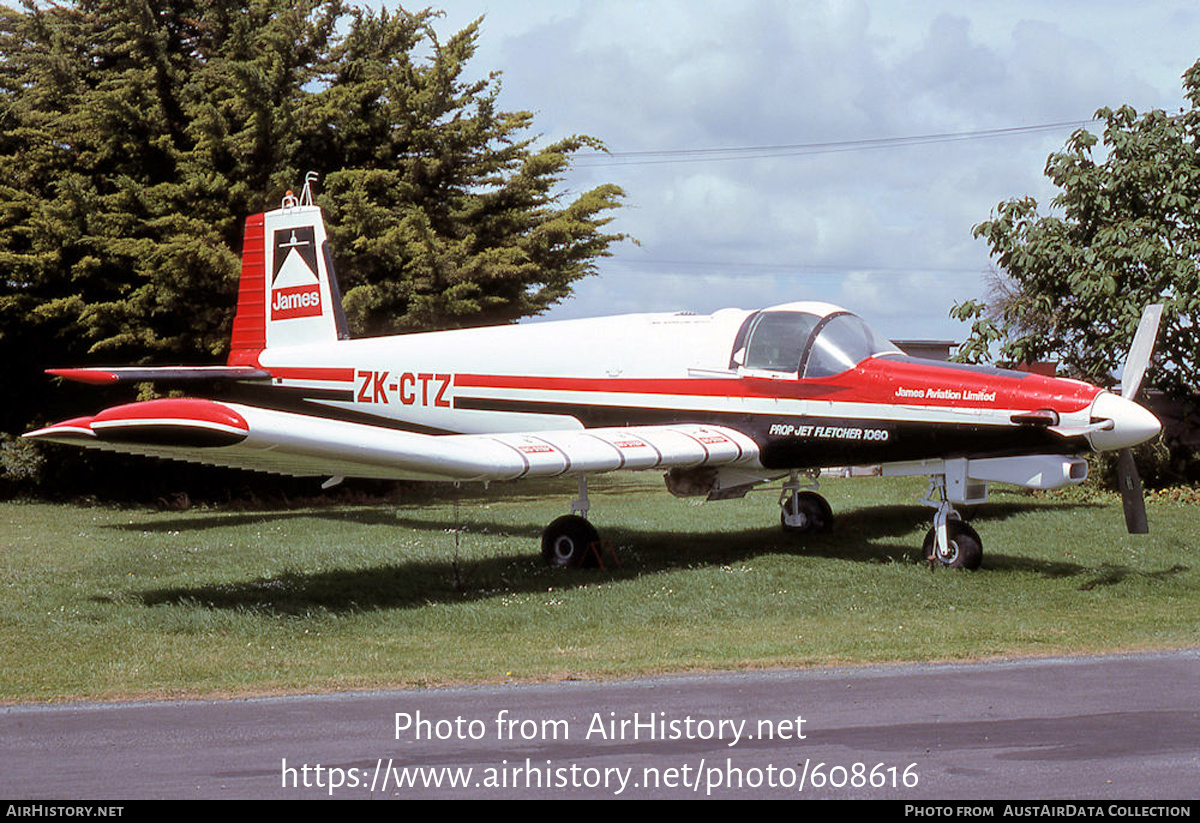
(806, 339)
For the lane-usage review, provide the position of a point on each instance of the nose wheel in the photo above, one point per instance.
(962, 550)
(951, 542)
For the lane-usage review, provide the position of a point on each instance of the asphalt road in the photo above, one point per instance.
(1124, 727)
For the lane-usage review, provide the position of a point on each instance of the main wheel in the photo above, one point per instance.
(565, 542)
(818, 516)
(965, 549)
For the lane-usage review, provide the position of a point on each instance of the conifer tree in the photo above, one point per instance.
(136, 135)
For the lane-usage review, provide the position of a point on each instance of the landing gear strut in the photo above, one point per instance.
(802, 509)
(951, 542)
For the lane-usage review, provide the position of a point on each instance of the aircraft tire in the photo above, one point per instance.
(818, 514)
(966, 549)
(565, 542)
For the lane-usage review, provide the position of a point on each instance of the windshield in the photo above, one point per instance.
(841, 342)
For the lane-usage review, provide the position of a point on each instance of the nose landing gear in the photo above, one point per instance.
(951, 542)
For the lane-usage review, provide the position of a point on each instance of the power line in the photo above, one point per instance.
(653, 157)
(626, 266)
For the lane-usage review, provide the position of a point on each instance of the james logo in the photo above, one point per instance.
(298, 301)
(295, 289)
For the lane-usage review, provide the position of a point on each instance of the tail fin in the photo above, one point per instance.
(288, 294)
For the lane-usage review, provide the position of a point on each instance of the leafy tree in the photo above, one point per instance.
(136, 135)
(1124, 232)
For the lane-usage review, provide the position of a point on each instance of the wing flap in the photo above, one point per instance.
(248, 437)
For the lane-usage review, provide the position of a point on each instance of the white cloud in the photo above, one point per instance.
(889, 229)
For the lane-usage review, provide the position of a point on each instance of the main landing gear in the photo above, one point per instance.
(803, 511)
(571, 540)
(566, 540)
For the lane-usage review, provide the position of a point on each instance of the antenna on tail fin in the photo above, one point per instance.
(290, 201)
(306, 193)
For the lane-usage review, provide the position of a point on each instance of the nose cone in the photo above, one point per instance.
(1132, 424)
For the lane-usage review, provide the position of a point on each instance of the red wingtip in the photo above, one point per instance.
(97, 377)
(75, 427)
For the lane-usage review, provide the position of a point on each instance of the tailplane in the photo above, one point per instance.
(288, 294)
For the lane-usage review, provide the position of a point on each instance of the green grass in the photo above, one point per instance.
(108, 603)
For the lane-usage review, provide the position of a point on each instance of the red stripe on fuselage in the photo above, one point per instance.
(877, 381)
(688, 386)
(313, 373)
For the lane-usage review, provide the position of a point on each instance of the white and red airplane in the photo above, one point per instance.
(721, 402)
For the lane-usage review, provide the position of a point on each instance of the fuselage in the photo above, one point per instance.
(650, 369)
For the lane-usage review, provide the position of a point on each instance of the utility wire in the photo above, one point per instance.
(653, 157)
(629, 267)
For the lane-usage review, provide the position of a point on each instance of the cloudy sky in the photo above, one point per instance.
(844, 208)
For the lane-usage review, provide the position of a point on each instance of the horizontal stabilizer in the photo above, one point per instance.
(247, 437)
(161, 374)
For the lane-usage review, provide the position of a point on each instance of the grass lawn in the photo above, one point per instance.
(113, 603)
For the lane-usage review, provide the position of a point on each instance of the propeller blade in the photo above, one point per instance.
(1132, 499)
(1140, 350)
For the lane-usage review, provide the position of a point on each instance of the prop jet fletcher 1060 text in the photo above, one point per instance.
(721, 402)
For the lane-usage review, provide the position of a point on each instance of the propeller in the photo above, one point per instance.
(1132, 498)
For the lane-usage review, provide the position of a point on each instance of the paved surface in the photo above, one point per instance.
(1077, 729)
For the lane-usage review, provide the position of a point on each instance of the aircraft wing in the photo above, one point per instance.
(248, 437)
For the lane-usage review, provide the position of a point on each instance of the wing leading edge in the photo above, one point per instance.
(248, 437)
